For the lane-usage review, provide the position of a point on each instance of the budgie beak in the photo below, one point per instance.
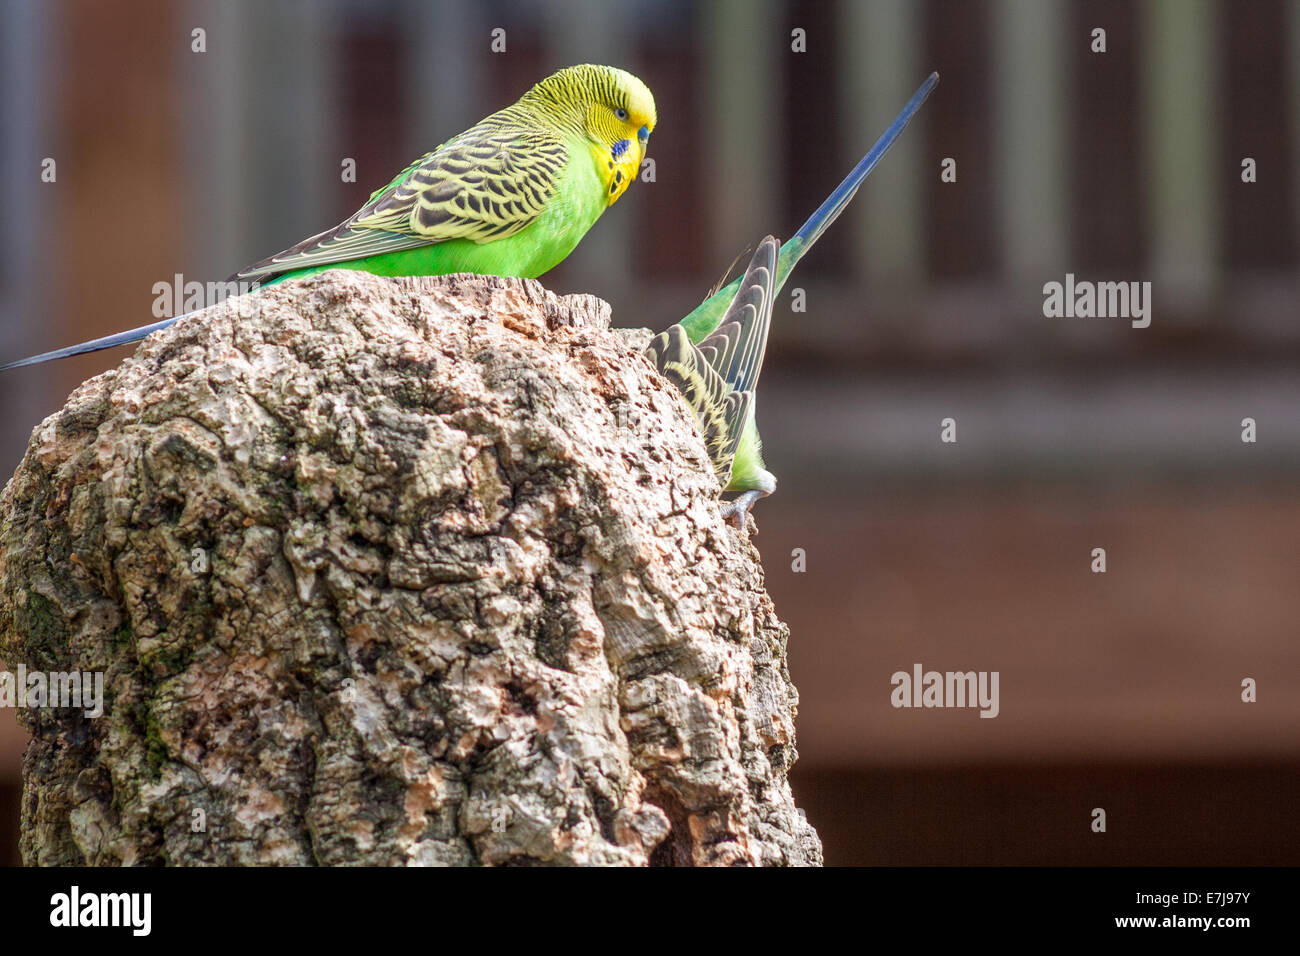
(623, 165)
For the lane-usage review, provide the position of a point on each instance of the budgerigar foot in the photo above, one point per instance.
(736, 509)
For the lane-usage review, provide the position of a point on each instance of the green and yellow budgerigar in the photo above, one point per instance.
(717, 376)
(511, 196)
(733, 322)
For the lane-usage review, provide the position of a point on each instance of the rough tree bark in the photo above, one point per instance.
(414, 571)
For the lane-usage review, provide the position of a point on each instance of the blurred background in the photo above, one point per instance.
(925, 301)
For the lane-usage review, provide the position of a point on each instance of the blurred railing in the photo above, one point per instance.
(1122, 165)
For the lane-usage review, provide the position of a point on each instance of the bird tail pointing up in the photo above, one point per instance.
(704, 319)
(836, 202)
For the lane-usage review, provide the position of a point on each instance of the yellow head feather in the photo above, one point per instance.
(613, 109)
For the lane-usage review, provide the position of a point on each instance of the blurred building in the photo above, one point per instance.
(925, 302)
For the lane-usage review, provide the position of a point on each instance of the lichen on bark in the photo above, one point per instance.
(394, 571)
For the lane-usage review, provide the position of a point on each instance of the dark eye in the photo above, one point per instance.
(621, 113)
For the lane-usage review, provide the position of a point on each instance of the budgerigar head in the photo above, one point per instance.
(613, 109)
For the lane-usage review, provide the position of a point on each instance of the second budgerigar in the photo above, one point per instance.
(695, 354)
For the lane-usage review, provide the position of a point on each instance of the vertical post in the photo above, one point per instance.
(880, 66)
(257, 99)
(294, 82)
(26, 297)
(218, 90)
(444, 70)
(1180, 126)
(741, 42)
(1030, 117)
(1293, 91)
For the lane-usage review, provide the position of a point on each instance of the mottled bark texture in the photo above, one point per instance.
(394, 571)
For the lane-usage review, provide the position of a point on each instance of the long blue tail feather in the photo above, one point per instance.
(836, 202)
(107, 342)
(705, 317)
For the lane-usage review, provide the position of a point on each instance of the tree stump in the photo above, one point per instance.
(394, 571)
